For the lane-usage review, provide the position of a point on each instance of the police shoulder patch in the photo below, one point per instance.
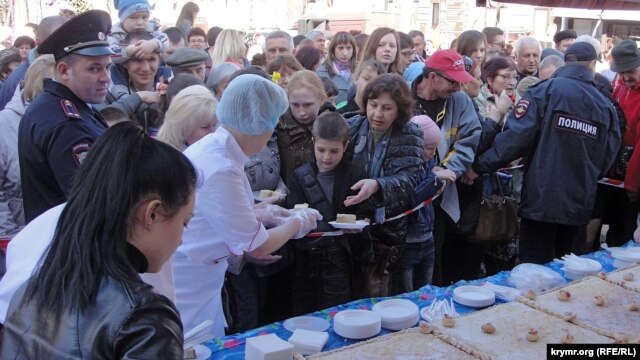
(575, 125)
(69, 109)
(521, 108)
(79, 152)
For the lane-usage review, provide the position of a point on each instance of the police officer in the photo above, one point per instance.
(568, 133)
(60, 125)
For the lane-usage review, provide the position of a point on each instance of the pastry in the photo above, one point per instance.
(569, 316)
(598, 300)
(567, 339)
(532, 335)
(425, 328)
(633, 306)
(628, 276)
(530, 294)
(488, 328)
(346, 218)
(564, 295)
(301, 206)
(190, 353)
(448, 321)
(614, 320)
(266, 194)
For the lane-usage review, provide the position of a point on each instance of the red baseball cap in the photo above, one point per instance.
(450, 63)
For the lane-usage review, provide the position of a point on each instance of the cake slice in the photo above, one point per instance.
(346, 218)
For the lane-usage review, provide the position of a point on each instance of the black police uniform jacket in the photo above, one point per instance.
(126, 321)
(568, 133)
(54, 136)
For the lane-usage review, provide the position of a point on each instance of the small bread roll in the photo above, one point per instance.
(265, 193)
(346, 218)
(301, 206)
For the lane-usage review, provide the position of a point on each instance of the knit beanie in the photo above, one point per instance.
(127, 8)
(430, 130)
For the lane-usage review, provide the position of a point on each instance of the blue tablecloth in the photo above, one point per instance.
(232, 346)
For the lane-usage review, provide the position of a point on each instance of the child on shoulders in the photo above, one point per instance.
(134, 17)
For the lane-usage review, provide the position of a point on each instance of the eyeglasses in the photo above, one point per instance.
(451, 81)
(509, 77)
(501, 44)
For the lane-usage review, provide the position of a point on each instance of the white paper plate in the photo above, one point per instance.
(358, 225)
(631, 255)
(474, 296)
(306, 323)
(584, 266)
(202, 352)
(357, 324)
(397, 314)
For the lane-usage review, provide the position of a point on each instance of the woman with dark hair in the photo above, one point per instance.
(341, 63)
(125, 215)
(285, 65)
(310, 57)
(390, 149)
(472, 43)
(187, 17)
(498, 94)
(383, 45)
(9, 60)
(23, 45)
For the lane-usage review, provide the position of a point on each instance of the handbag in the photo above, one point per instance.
(498, 218)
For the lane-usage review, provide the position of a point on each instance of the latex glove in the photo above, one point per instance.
(366, 187)
(636, 235)
(307, 218)
(277, 198)
(271, 215)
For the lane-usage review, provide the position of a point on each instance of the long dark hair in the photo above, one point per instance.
(123, 168)
(188, 12)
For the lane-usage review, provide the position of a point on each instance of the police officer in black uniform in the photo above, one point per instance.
(568, 133)
(60, 125)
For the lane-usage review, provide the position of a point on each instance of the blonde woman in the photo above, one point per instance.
(229, 47)
(191, 116)
(11, 209)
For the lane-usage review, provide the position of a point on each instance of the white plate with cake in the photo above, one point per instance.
(348, 222)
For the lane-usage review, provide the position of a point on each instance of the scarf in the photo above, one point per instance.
(343, 68)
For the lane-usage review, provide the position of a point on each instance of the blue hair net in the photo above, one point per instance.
(252, 104)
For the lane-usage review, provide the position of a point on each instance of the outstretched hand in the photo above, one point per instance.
(366, 187)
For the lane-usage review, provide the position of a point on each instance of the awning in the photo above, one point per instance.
(582, 4)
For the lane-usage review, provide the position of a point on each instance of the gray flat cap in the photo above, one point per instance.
(187, 56)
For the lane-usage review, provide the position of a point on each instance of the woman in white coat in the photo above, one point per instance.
(225, 222)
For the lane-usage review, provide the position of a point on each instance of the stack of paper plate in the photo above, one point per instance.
(625, 257)
(397, 314)
(357, 324)
(474, 296)
(577, 269)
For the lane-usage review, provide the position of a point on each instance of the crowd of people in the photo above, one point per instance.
(154, 178)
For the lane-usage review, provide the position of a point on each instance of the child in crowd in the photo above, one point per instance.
(134, 17)
(330, 90)
(365, 72)
(321, 276)
(419, 252)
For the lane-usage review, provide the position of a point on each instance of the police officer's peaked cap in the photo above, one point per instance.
(187, 56)
(565, 34)
(85, 34)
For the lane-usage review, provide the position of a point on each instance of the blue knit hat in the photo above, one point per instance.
(127, 8)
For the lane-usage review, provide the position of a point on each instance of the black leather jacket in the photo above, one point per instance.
(127, 321)
(401, 167)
